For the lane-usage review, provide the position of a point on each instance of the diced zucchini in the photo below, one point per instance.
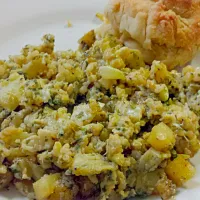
(150, 160)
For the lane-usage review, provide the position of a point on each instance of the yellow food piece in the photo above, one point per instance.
(180, 170)
(69, 73)
(45, 186)
(121, 160)
(90, 164)
(12, 99)
(165, 187)
(37, 171)
(69, 24)
(138, 77)
(150, 160)
(63, 155)
(61, 192)
(34, 68)
(3, 169)
(15, 152)
(117, 63)
(164, 94)
(159, 71)
(87, 40)
(161, 137)
(107, 72)
(56, 149)
(2, 70)
(101, 17)
(13, 136)
(11, 91)
(132, 57)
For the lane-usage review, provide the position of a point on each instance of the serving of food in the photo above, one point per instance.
(110, 120)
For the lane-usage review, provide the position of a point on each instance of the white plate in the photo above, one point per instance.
(25, 22)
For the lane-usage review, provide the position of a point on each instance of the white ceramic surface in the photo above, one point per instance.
(25, 22)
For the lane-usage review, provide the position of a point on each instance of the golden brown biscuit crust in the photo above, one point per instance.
(171, 24)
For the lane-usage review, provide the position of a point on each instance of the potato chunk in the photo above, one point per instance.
(161, 137)
(180, 170)
(45, 186)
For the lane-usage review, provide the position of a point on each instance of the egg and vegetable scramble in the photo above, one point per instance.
(96, 123)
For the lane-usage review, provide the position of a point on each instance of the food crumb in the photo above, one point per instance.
(69, 24)
(100, 16)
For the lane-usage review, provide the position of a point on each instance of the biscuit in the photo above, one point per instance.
(165, 30)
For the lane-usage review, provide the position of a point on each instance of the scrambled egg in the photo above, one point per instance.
(96, 123)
